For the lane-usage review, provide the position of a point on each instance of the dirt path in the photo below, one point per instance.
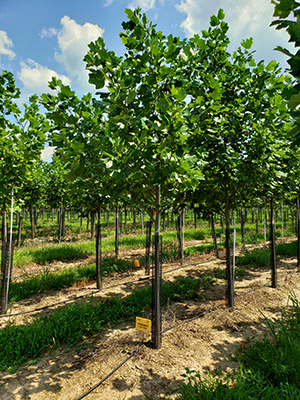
(202, 344)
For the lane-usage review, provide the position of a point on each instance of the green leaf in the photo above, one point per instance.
(271, 66)
(162, 104)
(66, 91)
(221, 14)
(294, 101)
(97, 78)
(131, 96)
(247, 43)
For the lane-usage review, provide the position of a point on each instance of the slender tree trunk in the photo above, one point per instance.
(134, 219)
(32, 221)
(180, 237)
(35, 213)
(92, 225)
(59, 220)
(213, 230)
(257, 228)
(229, 272)
(125, 216)
(63, 222)
(98, 250)
(242, 218)
(265, 225)
(298, 233)
(4, 259)
(121, 221)
(156, 317)
(117, 230)
(4, 238)
(195, 220)
(273, 246)
(88, 221)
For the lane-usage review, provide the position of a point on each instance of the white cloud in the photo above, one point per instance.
(48, 33)
(73, 42)
(144, 4)
(35, 77)
(242, 15)
(5, 44)
(245, 19)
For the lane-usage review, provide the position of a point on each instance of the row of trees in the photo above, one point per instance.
(175, 122)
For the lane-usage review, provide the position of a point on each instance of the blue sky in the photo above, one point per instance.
(42, 38)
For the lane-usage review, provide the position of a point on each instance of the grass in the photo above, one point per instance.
(55, 281)
(71, 324)
(268, 369)
(255, 257)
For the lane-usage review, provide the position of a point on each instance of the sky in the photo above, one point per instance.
(44, 38)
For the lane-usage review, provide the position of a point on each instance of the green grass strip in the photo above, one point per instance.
(20, 343)
(59, 280)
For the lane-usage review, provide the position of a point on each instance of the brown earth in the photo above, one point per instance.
(202, 344)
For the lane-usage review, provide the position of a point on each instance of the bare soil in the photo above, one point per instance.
(201, 344)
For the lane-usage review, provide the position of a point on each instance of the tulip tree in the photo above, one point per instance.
(78, 131)
(21, 141)
(146, 111)
(235, 108)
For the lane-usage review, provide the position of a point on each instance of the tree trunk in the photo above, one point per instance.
(134, 219)
(180, 237)
(298, 233)
(98, 251)
(157, 283)
(229, 272)
(257, 227)
(92, 225)
(273, 246)
(32, 221)
(117, 230)
(121, 221)
(242, 218)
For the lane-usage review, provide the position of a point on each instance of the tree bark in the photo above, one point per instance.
(273, 246)
(298, 233)
(156, 289)
(117, 230)
(31, 221)
(229, 271)
(98, 251)
(180, 237)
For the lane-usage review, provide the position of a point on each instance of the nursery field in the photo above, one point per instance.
(93, 331)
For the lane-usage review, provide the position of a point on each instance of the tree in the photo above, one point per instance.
(21, 142)
(235, 108)
(146, 114)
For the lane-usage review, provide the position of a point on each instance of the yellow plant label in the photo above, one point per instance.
(143, 325)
